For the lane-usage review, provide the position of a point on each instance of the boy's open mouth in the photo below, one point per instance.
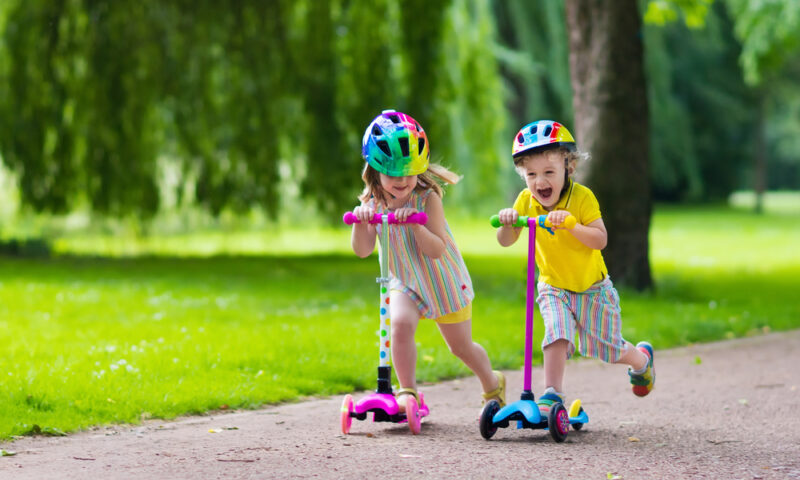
(545, 193)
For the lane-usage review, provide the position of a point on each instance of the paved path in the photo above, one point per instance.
(735, 414)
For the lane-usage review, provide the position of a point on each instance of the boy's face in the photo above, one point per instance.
(544, 175)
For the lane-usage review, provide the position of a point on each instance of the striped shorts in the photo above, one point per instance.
(594, 315)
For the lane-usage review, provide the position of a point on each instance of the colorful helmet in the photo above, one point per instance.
(396, 145)
(542, 135)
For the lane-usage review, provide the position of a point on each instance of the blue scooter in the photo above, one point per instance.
(525, 411)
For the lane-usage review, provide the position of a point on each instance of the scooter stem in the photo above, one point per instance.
(530, 300)
(384, 351)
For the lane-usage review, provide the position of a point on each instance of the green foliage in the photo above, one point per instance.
(532, 52)
(702, 113)
(39, 108)
(93, 340)
(783, 138)
(235, 99)
(469, 104)
(263, 104)
(770, 35)
(662, 12)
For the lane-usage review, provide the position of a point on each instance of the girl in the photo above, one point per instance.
(428, 275)
(575, 294)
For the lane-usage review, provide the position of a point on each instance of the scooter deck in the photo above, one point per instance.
(526, 414)
(384, 408)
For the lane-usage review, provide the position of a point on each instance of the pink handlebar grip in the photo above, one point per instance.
(420, 217)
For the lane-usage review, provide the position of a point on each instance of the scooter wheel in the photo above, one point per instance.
(558, 422)
(487, 426)
(347, 409)
(578, 426)
(574, 411)
(412, 415)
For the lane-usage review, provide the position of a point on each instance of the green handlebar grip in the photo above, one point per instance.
(522, 221)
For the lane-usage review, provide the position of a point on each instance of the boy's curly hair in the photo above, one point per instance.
(572, 158)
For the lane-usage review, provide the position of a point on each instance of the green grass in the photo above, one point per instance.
(97, 340)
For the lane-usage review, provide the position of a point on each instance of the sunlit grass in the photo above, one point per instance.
(780, 202)
(91, 340)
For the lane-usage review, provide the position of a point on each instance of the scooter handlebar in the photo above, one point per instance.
(420, 218)
(541, 220)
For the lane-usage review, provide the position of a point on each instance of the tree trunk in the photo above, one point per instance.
(760, 154)
(611, 123)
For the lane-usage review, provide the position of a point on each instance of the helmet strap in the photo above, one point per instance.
(566, 178)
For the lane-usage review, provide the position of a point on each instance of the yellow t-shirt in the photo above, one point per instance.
(563, 261)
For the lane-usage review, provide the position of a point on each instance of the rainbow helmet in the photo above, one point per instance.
(541, 135)
(396, 145)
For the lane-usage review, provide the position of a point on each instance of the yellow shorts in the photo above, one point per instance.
(456, 317)
(453, 317)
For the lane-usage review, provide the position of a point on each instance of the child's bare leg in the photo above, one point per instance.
(555, 362)
(458, 337)
(403, 322)
(633, 357)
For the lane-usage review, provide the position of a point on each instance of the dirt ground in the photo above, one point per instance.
(728, 410)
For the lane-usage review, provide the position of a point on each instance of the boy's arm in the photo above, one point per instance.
(593, 235)
(507, 235)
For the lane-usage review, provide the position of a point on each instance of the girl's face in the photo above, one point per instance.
(399, 187)
(544, 175)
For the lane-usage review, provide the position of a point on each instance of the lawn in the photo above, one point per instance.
(122, 337)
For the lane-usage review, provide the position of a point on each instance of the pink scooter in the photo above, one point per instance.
(382, 403)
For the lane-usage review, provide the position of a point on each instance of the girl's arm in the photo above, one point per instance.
(430, 237)
(363, 237)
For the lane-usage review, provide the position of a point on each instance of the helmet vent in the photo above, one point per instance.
(520, 138)
(403, 141)
(547, 131)
(421, 145)
(419, 129)
(394, 118)
(376, 130)
(533, 129)
(384, 146)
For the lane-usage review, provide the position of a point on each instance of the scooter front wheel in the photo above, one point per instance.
(412, 415)
(558, 422)
(347, 409)
(487, 426)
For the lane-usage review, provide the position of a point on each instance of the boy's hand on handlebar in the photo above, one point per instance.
(402, 214)
(557, 218)
(508, 216)
(364, 214)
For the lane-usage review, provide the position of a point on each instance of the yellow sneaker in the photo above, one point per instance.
(498, 393)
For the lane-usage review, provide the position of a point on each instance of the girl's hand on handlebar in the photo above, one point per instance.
(402, 214)
(508, 216)
(364, 214)
(557, 218)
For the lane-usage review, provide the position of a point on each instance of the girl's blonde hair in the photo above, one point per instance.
(435, 177)
(572, 158)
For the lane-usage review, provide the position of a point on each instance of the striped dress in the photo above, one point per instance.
(439, 286)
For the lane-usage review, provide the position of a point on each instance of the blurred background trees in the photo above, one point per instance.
(131, 107)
